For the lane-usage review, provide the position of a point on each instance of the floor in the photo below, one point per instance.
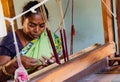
(111, 74)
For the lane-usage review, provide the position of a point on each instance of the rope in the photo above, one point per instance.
(108, 9)
(68, 2)
(21, 73)
(63, 34)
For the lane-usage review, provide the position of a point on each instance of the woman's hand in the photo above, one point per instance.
(27, 62)
(45, 62)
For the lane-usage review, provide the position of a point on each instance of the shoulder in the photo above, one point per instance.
(7, 39)
(7, 46)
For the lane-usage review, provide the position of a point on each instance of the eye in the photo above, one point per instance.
(31, 24)
(42, 25)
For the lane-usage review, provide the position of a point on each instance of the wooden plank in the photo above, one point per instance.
(115, 58)
(92, 69)
(75, 55)
(76, 65)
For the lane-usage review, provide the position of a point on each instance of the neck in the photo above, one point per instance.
(27, 37)
(24, 38)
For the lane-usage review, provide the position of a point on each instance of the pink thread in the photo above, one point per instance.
(21, 75)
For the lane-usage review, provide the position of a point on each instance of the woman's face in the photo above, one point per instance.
(34, 25)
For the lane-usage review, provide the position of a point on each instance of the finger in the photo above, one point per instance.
(34, 61)
(52, 55)
(48, 61)
(27, 63)
(16, 80)
(44, 63)
(51, 61)
(45, 58)
(40, 67)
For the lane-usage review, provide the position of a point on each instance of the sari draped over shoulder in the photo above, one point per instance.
(42, 47)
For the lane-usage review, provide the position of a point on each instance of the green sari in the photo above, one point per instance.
(41, 47)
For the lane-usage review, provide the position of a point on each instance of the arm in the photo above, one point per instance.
(11, 65)
(3, 61)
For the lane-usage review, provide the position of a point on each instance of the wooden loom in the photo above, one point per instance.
(85, 62)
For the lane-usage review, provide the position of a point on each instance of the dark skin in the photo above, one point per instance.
(11, 65)
(33, 26)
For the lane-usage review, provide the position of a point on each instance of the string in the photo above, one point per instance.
(12, 24)
(20, 73)
(108, 9)
(32, 9)
(64, 14)
(16, 44)
(61, 13)
(50, 35)
(65, 11)
(63, 34)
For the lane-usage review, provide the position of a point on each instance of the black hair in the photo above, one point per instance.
(28, 6)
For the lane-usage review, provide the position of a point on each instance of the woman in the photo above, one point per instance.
(30, 38)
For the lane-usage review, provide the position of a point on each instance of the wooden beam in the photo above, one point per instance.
(115, 58)
(108, 24)
(107, 21)
(75, 55)
(76, 65)
(8, 9)
(118, 21)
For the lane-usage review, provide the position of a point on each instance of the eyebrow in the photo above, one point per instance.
(32, 23)
(37, 24)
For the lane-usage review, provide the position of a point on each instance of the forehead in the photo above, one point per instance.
(36, 18)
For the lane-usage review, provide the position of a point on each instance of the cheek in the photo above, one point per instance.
(41, 30)
(25, 30)
(28, 30)
(34, 31)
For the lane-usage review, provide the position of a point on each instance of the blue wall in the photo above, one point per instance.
(87, 21)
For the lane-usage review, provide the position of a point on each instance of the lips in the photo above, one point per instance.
(36, 36)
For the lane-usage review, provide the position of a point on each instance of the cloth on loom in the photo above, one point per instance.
(42, 47)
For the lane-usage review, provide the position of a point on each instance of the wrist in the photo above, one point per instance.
(5, 71)
(11, 66)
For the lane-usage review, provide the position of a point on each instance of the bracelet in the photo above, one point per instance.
(4, 71)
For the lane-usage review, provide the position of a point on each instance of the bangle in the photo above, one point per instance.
(4, 71)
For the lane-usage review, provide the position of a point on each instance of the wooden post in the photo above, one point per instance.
(108, 24)
(107, 21)
(118, 21)
(8, 9)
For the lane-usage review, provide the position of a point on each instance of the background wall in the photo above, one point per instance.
(87, 21)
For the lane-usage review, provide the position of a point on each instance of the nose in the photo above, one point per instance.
(37, 29)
